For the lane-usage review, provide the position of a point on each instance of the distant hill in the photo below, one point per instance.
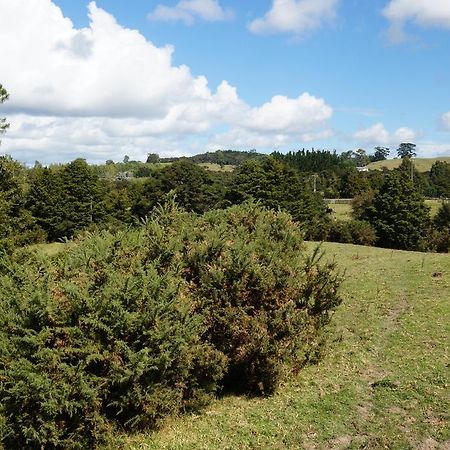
(220, 157)
(422, 164)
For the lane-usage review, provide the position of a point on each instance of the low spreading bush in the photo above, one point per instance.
(353, 231)
(121, 330)
(438, 237)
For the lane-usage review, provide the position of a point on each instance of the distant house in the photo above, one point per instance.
(362, 169)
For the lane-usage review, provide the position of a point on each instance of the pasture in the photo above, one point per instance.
(383, 381)
(213, 167)
(421, 164)
(343, 211)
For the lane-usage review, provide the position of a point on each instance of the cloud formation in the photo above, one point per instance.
(104, 90)
(445, 121)
(295, 16)
(276, 124)
(378, 135)
(425, 13)
(188, 10)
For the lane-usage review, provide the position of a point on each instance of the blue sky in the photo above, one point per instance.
(264, 74)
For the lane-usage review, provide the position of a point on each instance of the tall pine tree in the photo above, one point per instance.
(398, 213)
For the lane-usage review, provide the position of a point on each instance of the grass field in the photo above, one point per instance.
(217, 167)
(382, 384)
(422, 164)
(344, 211)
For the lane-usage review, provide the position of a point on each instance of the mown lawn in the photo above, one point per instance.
(382, 384)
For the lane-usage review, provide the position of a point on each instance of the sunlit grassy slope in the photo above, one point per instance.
(382, 384)
(344, 210)
(217, 167)
(422, 164)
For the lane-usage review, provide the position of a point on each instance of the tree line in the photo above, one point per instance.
(47, 204)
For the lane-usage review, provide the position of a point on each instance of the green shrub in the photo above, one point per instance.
(357, 232)
(438, 240)
(438, 237)
(101, 336)
(398, 213)
(264, 300)
(121, 330)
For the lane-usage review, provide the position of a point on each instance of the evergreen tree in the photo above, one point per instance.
(152, 158)
(66, 200)
(16, 223)
(406, 150)
(381, 153)
(439, 233)
(275, 185)
(420, 181)
(3, 97)
(312, 160)
(440, 179)
(46, 200)
(360, 157)
(117, 201)
(442, 218)
(194, 187)
(353, 183)
(83, 204)
(398, 213)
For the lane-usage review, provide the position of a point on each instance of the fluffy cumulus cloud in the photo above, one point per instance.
(378, 135)
(295, 16)
(188, 10)
(445, 121)
(425, 13)
(277, 124)
(104, 91)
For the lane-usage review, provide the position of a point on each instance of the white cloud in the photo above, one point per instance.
(60, 139)
(445, 121)
(244, 139)
(295, 16)
(378, 135)
(432, 149)
(302, 114)
(115, 71)
(425, 13)
(106, 90)
(278, 123)
(187, 10)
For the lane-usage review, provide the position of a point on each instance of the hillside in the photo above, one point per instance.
(422, 164)
(383, 382)
(220, 157)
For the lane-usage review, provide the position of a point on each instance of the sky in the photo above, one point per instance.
(101, 80)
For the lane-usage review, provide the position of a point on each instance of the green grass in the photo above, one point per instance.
(341, 211)
(383, 382)
(434, 206)
(422, 164)
(49, 249)
(217, 167)
(344, 211)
